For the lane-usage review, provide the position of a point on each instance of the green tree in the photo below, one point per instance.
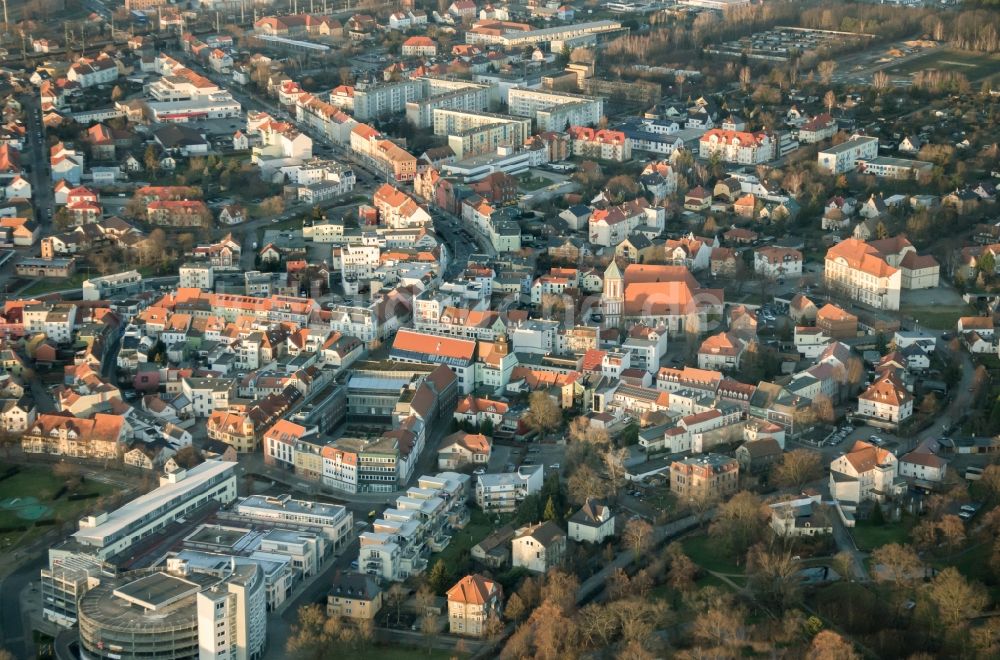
(550, 510)
(986, 264)
(438, 577)
(486, 428)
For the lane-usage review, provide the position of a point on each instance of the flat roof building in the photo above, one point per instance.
(105, 535)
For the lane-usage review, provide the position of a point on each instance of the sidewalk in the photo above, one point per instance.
(596, 582)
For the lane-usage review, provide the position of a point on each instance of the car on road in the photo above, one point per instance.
(554, 466)
(479, 471)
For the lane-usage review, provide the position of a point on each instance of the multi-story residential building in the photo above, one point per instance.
(704, 477)
(865, 472)
(57, 321)
(554, 111)
(603, 144)
(101, 436)
(207, 394)
(373, 100)
(503, 492)
(444, 93)
(354, 596)
(776, 262)
(421, 521)
(87, 72)
(737, 146)
(398, 210)
(610, 226)
(819, 128)
(886, 402)
(844, 157)
(460, 449)
(472, 603)
(592, 523)
(331, 122)
(419, 46)
(923, 464)
(538, 547)
(109, 286)
(721, 351)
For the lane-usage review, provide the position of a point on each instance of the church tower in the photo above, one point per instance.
(613, 298)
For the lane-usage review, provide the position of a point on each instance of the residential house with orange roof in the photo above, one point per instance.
(461, 448)
(610, 226)
(602, 144)
(739, 147)
(63, 434)
(865, 473)
(777, 262)
(478, 410)
(397, 210)
(419, 46)
(886, 403)
(721, 352)
(817, 129)
(836, 323)
(473, 603)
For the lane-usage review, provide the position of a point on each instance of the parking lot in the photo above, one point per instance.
(506, 458)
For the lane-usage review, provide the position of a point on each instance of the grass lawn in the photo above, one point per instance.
(974, 66)
(868, 536)
(40, 483)
(533, 183)
(942, 317)
(708, 553)
(48, 285)
(479, 527)
(408, 653)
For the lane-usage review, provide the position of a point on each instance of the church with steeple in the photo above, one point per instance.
(613, 298)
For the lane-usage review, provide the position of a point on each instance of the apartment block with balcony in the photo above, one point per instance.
(502, 493)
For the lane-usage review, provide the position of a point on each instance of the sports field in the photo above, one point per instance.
(974, 66)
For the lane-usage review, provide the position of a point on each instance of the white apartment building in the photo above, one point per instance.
(207, 394)
(232, 617)
(538, 548)
(505, 491)
(448, 94)
(376, 100)
(866, 472)
(359, 262)
(197, 276)
(886, 402)
(555, 111)
(844, 157)
(421, 521)
(98, 288)
(775, 262)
